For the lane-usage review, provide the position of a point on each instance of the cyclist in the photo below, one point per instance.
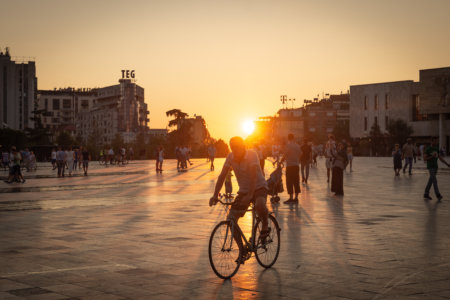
(252, 185)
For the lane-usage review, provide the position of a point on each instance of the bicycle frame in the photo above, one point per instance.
(250, 243)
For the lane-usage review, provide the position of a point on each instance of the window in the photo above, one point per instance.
(46, 104)
(386, 101)
(375, 104)
(66, 103)
(386, 122)
(312, 114)
(55, 104)
(329, 129)
(417, 116)
(365, 123)
(365, 102)
(312, 129)
(375, 121)
(329, 114)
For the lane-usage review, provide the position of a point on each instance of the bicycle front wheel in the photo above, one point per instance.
(267, 250)
(223, 251)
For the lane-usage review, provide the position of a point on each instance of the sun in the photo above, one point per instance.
(248, 127)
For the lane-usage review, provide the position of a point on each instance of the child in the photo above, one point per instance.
(228, 185)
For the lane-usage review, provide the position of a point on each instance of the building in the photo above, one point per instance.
(320, 120)
(157, 132)
(423, 105)
(62, 107)
(18, 86)
(289, 121)
(118, 109)
(199, 134)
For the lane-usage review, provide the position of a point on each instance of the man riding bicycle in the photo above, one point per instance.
(251, 181)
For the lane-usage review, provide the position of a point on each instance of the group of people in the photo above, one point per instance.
(121, 157)
(28, 159)
(70, 158)
(410, 153)
(183, 155)
(12, 160)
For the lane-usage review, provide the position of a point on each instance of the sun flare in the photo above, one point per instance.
(248, 127)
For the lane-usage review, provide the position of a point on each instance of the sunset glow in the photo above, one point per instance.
(248, 127)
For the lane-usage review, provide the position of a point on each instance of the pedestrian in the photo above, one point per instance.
(32, 161)
(15, 173)
(329, 148)
(53, 159)
(75, 158)
(60, 161)
(422, 149)
(211, 155)
(305, 160)
(408, 155)
(188, 155)
(80, 157)
(159, 159)
(350, 157)
(431, 156)
(228, 184)
(86, 158)
(415, 152)
(131, 153)
(178, 156)
(5, 158)
(111, 155)
(70, 157)
(397, 156)
(292, 156)
(339, 162)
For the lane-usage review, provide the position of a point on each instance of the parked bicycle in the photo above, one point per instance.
(225, 254)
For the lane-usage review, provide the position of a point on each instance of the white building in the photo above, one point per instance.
(18, 85)
(118, 109)
(381, 102)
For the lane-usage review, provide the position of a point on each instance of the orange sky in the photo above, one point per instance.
(228, 61)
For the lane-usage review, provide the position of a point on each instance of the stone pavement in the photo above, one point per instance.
(129, 233)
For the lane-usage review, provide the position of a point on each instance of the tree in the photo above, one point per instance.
(378, 144)
(222, 148)
(117, 142)
(39, 135)
(178, 115)
(10, 137)
(399, 131)
(64, 139)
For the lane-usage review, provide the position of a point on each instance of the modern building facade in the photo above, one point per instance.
(118, 109)
(18, 87)
(422, 105)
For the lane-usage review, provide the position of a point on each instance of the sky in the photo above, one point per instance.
(228, 61)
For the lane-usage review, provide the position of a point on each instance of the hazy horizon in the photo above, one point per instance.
(228, 61)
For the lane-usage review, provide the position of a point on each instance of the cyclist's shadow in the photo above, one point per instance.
(225, 290)
(269, 284)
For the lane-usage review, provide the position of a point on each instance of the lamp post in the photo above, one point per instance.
(283, 99)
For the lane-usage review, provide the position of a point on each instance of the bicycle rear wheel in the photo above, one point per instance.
(267, 251)
(223, 251)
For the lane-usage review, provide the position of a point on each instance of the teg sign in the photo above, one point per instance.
(126, 74)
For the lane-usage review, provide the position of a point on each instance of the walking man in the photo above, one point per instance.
(431, 156)
(212, 154)
(86, 158)
(408, 155)
(291, 155)
(60, 161)
(305, 160)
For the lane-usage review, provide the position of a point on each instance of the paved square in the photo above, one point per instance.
(129, 233)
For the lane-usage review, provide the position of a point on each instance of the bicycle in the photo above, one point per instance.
(226, 256)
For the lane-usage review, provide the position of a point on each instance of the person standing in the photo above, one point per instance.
(75, 158)
(330, 147)
(110, 155)
(292, 156)
(15, 173)
(431, 156)
(305, 160)
(408, 155)
(53, 157)
(60, 156)
(397, 156)
(70, 157)
(159, 159)
(211, 155)
(350, 157)
(339, 163)
(86, 158)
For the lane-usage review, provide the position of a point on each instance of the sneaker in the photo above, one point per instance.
(439, 198)
(427, 197)
(291, 201)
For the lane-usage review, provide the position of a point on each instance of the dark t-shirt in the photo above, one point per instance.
(306, 153)
(85, 155)
(432, 162)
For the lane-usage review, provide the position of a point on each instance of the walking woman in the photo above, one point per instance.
(397, 155)
(292, 157)
(339, 163)
(159, 159)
